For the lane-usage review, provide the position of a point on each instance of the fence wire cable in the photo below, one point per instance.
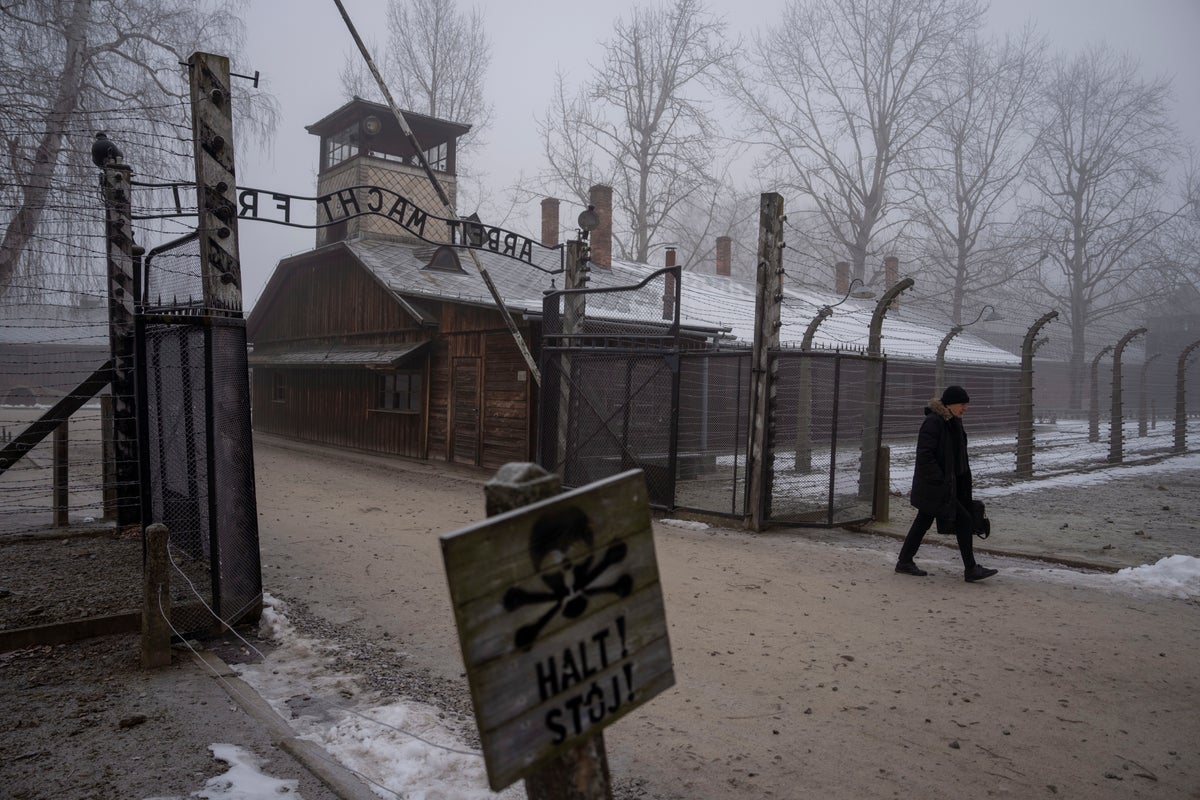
(320, 702)
(238, 693)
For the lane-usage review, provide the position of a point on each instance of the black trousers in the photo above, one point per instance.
(921, 525)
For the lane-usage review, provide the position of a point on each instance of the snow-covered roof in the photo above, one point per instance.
(715, 303)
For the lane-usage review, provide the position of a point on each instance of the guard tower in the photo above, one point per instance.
(363, 145)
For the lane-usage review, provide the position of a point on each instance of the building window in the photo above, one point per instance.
(398, 391)
(437, 157)
(278, 389)
(340, 147)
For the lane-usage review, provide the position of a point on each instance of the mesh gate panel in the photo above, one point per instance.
(714, 400)
(198, 461)
(824, 467)
(176, 450)
(173, 280)
(619, 392)
(618, 417)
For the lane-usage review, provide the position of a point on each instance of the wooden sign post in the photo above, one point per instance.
(560, 619)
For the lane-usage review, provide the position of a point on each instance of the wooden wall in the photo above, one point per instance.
(333, 407)
(506, 402)
(331, 300)
(336, 301)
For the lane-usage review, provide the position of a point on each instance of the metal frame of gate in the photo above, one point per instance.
(604, 377)
(195, 447)
(596, 419)
(824, 468)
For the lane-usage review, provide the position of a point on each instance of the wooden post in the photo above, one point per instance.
(764, 357)
(108, 459)
(212, 130)
(61, 475)
(119, 230)
(156, 600)
(580, 773)
(574, 311)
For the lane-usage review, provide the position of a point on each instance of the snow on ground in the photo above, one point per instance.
(1063, 456)
(685, 524)
(1184, 463)
(1174, 576)
(401, 749)
(243, 781)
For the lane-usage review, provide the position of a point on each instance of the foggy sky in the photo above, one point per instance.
(299, 47)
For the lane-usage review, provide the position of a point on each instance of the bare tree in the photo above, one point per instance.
(435, 63)
(717, 210)
(1100, 175)
(69, 68)
(639, 124)
(974, 164)
(841, 93)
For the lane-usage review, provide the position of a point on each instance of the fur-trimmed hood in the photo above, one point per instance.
(936, 406)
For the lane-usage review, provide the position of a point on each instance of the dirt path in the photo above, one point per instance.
(805, 667)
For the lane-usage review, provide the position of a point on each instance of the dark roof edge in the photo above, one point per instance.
(329, 119)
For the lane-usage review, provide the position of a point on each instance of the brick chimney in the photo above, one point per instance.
(891, 271)
(669, 286)
(724, 256)
(841, 277)
(600, 196)
(550, 221)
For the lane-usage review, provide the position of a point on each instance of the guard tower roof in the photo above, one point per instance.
(429, 131)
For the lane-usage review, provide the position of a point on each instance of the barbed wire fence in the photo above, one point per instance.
(984, 357)
(54, 326)
(88, 310)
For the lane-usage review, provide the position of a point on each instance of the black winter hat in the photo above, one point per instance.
(954, 394)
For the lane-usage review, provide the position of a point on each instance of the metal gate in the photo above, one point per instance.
(610, 383)
(618, 395)
(196, 453)
(825, 428)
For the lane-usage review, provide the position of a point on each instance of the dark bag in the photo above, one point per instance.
(980, 524)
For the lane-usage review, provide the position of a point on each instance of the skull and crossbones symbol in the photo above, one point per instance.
(559, 548)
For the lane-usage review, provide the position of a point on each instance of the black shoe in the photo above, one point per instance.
(910, 569)
(978, 573)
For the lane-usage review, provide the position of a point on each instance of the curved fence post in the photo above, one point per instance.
(1180, 397)
(1025, 401)
(1094, 399)
(1116, 430)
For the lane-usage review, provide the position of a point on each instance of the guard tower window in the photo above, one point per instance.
(340, 147)
(437, 158)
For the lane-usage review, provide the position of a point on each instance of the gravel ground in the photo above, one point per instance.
(85, 721)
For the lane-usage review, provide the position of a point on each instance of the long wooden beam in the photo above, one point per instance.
(44, 425)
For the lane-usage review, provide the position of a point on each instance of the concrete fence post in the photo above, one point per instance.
(883, 484)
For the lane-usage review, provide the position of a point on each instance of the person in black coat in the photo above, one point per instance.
(941, 490)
